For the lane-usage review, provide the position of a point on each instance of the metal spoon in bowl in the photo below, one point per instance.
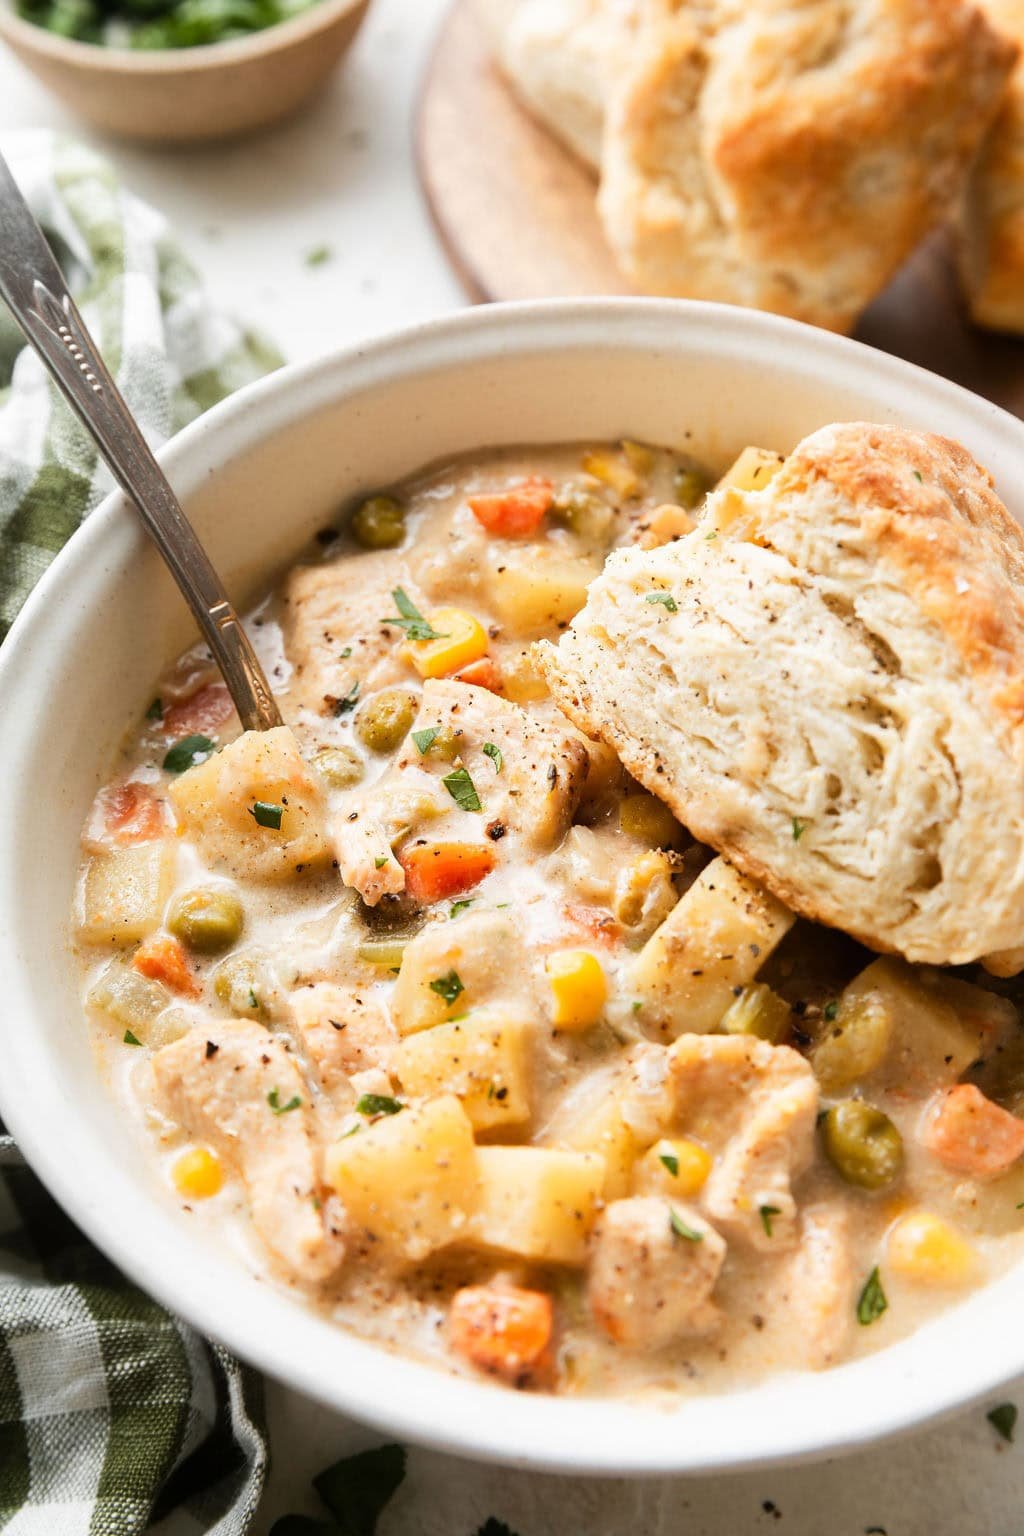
(31, 282)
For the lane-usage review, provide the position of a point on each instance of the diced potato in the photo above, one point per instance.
(579, 988)
(218, 802)
(926, 1250)
(471, 961)
(461, 638)
(125, 892)
(483, 1059)
(752, 471)
(411, 1180)
(716, 939)
(618, 471)
(537, 1202)
(128, 998)
(589, 1119)
(940, 1025)
(537, 588)
(673, 1166)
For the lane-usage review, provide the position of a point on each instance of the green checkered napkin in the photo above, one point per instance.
(112, 1412)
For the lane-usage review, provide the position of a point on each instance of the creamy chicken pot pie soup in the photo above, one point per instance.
(455, 1030)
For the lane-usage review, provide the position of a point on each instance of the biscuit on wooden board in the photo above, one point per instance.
(992, 226)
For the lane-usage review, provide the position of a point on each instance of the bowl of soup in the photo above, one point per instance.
(349, 1041)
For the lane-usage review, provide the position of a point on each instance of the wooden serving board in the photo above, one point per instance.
(517, 216)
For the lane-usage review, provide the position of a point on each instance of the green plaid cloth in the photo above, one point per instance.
(113, 1414)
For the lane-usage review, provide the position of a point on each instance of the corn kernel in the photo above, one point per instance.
(579, 988)
(460, 639)
(664, 524)
(676, 1167)
(197, 1174)
(613, 470)
(752, 470)
(649, 819)
(925, 1249)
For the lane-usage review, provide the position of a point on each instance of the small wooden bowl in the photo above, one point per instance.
(182, 95)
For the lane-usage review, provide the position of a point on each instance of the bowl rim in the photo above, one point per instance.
(790, 1418)
(97, 58)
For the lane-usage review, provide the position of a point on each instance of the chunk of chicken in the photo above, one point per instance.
(754, 1105)
(372, 820)
(333, 631)
(530, 787)
(345, 1030)
(235, 1085)
(654, 1264)
(820, 1286)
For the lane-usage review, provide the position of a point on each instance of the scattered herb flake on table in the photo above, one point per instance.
(1003, 1420)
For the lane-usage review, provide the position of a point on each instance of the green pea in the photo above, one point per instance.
(207, 921)
(690, 488)
(379, 523)
(862, 1144)
(386, 719)
(855, 1043)
(340, 766)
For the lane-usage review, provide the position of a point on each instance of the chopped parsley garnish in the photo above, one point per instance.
(712, 535)
(425, 739)
(448, 986)
(318, 255)
(1003, 1420)
(872, 1301)
(349, 702)
(671, 1162)
(918, 476)
(638, 1003)
(130, 1039)
(274, 1100)
(187, 752)
(799, 828)
(461, 906)
(254, 1001)
(680, 1228)
(830, 1012)
(155, 710)
(494, 753)
(380, 861)
(462, 790)
(377, 1104)
(666, 600)
(266, 815)
(767, 1212)
(410, 619)
(346, 653)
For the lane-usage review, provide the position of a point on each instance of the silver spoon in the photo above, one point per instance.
(31, 282)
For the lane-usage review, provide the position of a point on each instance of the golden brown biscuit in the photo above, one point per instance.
(992, 226)
(791, 155)
(825, 681)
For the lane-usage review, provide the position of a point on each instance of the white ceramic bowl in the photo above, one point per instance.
(258, 475)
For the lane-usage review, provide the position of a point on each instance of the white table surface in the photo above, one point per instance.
(342, 175)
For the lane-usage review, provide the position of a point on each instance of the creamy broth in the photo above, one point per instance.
(448, 1025)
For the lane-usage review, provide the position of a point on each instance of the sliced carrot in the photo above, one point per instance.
(128, 813)
(162, 958)
(200, 715)
(484, 673)
(434, 871)
(504, 1329)
(966, 1131)
(517, 512)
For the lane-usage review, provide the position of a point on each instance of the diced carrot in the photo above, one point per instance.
(200, 715)
(484, 673)
(517, 512)
(435, 871)
(162, 958)
(597, 925)
(504, 1329)
(966, 1131)
(128, 813)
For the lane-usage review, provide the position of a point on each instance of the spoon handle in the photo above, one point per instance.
(31, 282)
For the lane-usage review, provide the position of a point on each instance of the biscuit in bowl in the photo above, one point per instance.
(824, 682)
